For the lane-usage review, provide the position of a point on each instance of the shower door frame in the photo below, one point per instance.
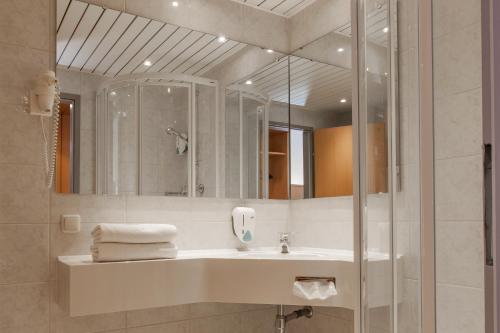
(426, 292)
(265, 167)
(138, 81)
(254, 94)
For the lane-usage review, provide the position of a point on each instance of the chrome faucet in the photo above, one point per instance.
(284, 242)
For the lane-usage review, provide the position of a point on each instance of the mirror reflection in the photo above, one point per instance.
(154, 108)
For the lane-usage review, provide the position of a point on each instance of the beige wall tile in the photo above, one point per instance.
(24, 251)
(176, 327)
(458, 124)
(200, 310)
(61, 323)
(92, 208)
(459, 253)
(19, 66)
(459, 309)
(452, 15)
(259, 321)
(24, 308)
(458, 187)
(218, 324)
(25, 23)
(62, 244)
(23, 194)
(457, 61)
(21, 136)
(157, 315)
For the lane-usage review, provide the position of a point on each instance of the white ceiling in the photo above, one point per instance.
(286, 8)
(111, 43)
(376, 21)
(108, 42)
(313, 85)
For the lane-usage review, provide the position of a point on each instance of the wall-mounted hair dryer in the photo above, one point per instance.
(43, 101)
(42, 96)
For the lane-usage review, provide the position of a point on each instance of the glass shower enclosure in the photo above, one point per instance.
(157, 136)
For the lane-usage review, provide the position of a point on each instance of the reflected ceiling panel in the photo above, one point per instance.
(107, 42)
(286, 8)
(313, 85)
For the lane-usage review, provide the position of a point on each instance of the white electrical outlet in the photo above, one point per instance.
(70, 224)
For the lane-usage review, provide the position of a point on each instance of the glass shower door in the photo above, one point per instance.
(121, 141)
(389, 120)
(252, 154)
(165, 140)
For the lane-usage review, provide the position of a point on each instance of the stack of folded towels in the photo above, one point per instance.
(122, 242)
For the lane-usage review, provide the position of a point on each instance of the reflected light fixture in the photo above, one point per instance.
(222, 39)
(269, 51)
(113, 93)
(147, 63)
(343, 100)
(248, 82)
(175, 4)
(385, 30)
(340, 50)
(169, 90)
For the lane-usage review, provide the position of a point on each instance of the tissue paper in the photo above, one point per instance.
(314, 290)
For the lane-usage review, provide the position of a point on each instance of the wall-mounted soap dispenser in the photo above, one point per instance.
(244, 220)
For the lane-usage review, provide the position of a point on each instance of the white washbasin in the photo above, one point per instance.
(292, 255)
(214, 275)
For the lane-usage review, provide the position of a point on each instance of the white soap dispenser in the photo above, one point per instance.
(244, 220)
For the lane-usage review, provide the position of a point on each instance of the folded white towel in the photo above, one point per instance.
(134, 233)
(124, 252)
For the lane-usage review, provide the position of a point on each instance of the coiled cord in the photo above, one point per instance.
(50, 159)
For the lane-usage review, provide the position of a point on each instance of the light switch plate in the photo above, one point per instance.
(70, 224)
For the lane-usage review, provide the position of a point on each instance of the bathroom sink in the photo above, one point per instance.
(214, 275)
(270, 253)
(292, 255)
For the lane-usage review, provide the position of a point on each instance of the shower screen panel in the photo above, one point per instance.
(206, 150)
(157, 135)
(164, 139)
(122, 144)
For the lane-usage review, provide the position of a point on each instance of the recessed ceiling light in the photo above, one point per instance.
(222, 39)
(169, 90)
(248, 82)
(385, 30)
(269, 51)
(147, 63)
(343, 100)
(175, 4)
(113, 93)
(340, 50)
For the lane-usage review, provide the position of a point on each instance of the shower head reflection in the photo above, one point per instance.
(173, 131)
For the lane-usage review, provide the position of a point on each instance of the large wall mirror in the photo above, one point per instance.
(163, 108)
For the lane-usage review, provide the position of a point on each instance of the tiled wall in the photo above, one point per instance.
(458, 163)
(24, 199)
(322, 223)
(25, 272)
(202, 224)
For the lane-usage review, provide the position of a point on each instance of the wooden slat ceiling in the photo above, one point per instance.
(313, 85)
(111, 43)
(285, 8)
